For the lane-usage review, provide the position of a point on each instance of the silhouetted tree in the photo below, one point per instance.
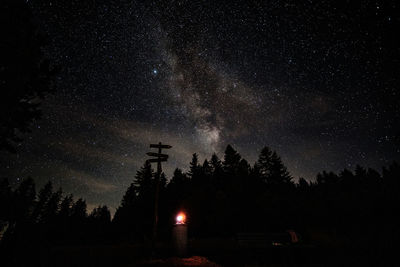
(231, 161)
(217, 171)
(194, 169)
(243, 169)
(206, 169)
(66, 207)
(78, 211)
(43, 197)
(216, 165)
(303, 184)
(178, 188)
(325, 178)
(178, 180)
(127, 204)
(25, 74)
(143, 182)
(52, 207)
(64, 218)
(264, 163)
(278, 173)
(355, 208)
(99, 222)
(135, 214)
(78, 220)
(101, 214)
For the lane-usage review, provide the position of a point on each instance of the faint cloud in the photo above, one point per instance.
(93, 184)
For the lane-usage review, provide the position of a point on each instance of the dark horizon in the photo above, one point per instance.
(224, 209)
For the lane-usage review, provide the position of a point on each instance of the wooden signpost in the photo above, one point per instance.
(159, 145)
(152, 154)
(159, 158)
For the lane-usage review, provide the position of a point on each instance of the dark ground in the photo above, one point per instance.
(205, 252)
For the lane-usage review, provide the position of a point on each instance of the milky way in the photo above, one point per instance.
(317, 82)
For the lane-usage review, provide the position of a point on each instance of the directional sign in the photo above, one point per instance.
(160, 146)
(160, 158)
(152, 154)
(157, 160)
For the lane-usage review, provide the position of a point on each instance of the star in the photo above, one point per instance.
(303, 79)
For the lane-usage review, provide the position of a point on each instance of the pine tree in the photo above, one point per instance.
(134, 216)
(65, 207)
(139, 190)
(52, 207)
(178, 178)
(78, 212)
(303, 184)
(278, 171)
(271, 169)
(101, 215)
(143, 183)
(194, 169)
(217, 171)
(78, 220)
(216, 165)
(243, 169)
(231, 161)
(43, 197)
(264, 163)
(206, 168)
(326, 178)
(178, 189)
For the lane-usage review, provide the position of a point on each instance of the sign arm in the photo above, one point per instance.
(160, 158)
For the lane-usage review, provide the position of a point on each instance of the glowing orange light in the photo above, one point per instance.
(180, 218)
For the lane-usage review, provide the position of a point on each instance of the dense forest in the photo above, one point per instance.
(221, 197)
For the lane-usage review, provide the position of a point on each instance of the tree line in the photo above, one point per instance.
(48, 217)
(221, 197)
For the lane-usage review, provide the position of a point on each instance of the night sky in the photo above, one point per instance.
(317, 81)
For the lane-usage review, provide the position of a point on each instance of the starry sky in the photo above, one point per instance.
(317, 81)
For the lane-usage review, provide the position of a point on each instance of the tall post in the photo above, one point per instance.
(160, 158)
(158, 176)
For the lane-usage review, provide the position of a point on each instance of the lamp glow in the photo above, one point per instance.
(181, 218)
